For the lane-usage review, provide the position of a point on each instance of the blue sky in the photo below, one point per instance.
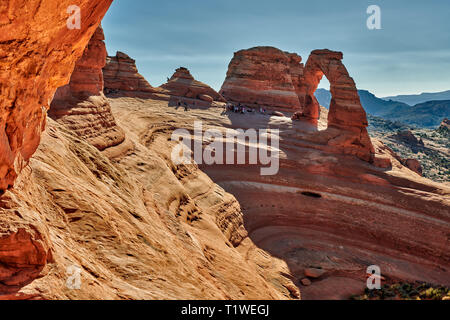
(410, 54)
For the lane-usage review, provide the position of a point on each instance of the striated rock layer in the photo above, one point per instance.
(122, 77)
(138, 227)
(182, 84)
(141, 227)
(322, 210)
(37, 55)
(81, 105)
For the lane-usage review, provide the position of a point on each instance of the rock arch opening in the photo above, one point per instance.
(323, 96)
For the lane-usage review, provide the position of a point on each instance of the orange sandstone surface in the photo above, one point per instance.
(38, 53)
(324, 209)
(264, 76)
(136, 225)
(139, 226)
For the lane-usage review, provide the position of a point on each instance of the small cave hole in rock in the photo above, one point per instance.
(311, 194)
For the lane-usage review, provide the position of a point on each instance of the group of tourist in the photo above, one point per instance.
(239, 108)
(242, 109)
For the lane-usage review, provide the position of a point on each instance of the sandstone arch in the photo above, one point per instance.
(345, 107)
(347, 120)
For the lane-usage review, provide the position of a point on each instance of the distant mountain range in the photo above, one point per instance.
(428, 114)
(414, 99)
(324, 97)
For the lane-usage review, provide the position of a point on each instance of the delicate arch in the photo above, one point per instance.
(345, 107)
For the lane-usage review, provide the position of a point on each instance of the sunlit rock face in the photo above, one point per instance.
(345, 107)
(81, 105)
(264, 76)
(37, 55)
(347, 120)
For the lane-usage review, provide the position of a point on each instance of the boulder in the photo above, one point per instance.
(414, 165)
(314, 273)
(444, 128)
(306, 282)
(407, 137)
(445, 124)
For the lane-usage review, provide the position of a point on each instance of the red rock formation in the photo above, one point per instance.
(81, 105)
(183, 84)
(264, 76)
(345, 108)
(276, 79)
(37, 55)
(122, 77)
(322, 210)
(408, 138)
(337, 212)
(347, 120)
(24, 251)
(87, 77)
(138, 228)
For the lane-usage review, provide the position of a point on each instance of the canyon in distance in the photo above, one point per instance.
(88, 180)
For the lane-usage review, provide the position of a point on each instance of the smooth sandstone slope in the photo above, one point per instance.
(138, 227)
(323, 209)
(38, 53)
